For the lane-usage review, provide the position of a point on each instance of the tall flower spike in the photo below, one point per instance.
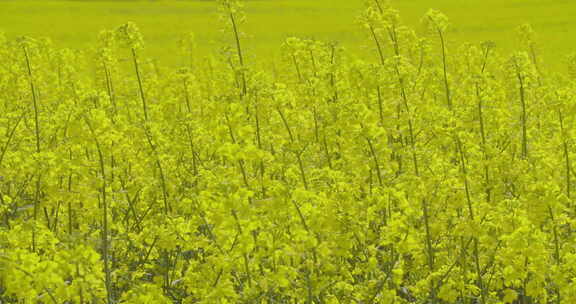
(436, 21)
(187, 44)
(27, 42)
(526, 34)
(107, 44)
(527, 37)
(129, 35)
(391, 15)
(232, 16)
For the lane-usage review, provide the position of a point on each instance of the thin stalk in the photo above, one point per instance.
(146, 131)
(301, 167)
(309, 288)
(165, 195)
(380, 106)
(485, 61)
(70, 211)
(333, 73)
(535, 62)
(444, 65)
(567, 163)
(259, 144)
(297, 67)
(245, 255)
(404, 96)
(240, 161)
(376, 163)
(186, 96)
(285, 124)
(524, 114)
(464, 171)
(189, 128)
(316, 129)
(192, 150)
(379, 6)
(393, 35)
(313, 62)
(34, 99)
(10, 137)
(299, 153)
(556, 248)
(105, 228)
(140, 87)
(309, 285)
(238, 48)
(378, 44)
(80, 291)
(429, 247)
(445, 70)
(413, 147)
(38, 150)
(483, 143)
(327, 151)
(109, 86)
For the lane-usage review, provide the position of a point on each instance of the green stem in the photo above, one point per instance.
(567, 163)
(38, 150)
(378, 45)
(140, 86)
(376, 163)
(105, 229)
(524, 114)
(471, 215)
(445, 69)
(10, 137)
(483, 143)
(238, 47)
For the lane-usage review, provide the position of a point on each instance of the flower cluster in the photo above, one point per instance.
(431, 172)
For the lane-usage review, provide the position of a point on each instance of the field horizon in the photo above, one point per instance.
(269, 23)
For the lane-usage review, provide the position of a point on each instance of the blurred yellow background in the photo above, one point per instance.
(75, 24)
